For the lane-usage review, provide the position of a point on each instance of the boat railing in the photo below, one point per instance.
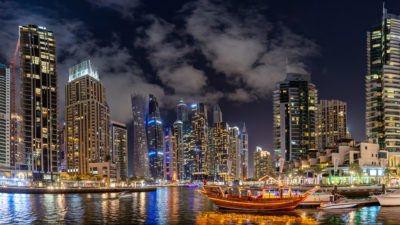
(256, 194)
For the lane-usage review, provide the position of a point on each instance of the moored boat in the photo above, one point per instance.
(389, 199)
(255, 199)
(124, 194)
(317, 198)
(339, 205)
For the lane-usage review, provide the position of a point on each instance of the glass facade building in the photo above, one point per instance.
(295, 117)
(5, 116)
(382, 83)
(119, 147)
(154, 130)
(140, 153)
(39, 101)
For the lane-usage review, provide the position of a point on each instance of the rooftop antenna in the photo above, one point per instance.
(384, 11)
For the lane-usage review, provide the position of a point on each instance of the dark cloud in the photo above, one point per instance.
(125, 7)
(244, 47)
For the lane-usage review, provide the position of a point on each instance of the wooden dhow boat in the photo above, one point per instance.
(255, 199)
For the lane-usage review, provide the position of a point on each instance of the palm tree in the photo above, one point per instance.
(300, 174)
(388, 173)
(318, 171)
(356, 169)
(398, 170)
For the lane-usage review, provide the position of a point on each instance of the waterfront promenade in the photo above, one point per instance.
(55, 190)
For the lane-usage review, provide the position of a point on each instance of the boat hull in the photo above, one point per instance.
(389, 201)
(339, 206)
(253, 206)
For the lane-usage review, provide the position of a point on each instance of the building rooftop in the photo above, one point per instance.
(82, 69)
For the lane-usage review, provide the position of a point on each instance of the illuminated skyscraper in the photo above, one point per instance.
(244, 156)
(220, 147)
(170, 156)
(87, 119)
(295, 116)
(234, 153)
(217, 114)
(263, 164)
(119, 147)
(190, 153)
(154, 129)
(332, 122)
(200, 135)
(140, 153)
(39, 101)
(62, 156)
(182, 111)
(180, 127)
(382, 91)
(5, 116)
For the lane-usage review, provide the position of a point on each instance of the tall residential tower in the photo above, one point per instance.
(5, 103)
(154, 129)
(119, 147)
(87, 119)
(39, 101)
(295, 116)
(140, 153)
(382, 90)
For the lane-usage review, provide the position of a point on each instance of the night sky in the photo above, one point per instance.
(230, 52)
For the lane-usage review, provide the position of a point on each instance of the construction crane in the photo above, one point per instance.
(13, 109)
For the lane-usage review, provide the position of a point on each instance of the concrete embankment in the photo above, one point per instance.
(350, 192)
(71, 190)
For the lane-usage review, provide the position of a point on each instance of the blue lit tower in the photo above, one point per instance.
(154, 129)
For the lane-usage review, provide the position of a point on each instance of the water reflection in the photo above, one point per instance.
(172, 205)
(246, 218)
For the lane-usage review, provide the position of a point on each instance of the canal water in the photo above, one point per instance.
(169, 205)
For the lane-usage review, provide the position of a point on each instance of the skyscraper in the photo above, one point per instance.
(182, 111)
(295, 113)
(140, 153)
(234, 152)
(244, 157)
(119, 147)
(263, 164)
(190, 153)
(217, 114)
(39, 100)
(180, 127)
(5, 116)
(200, 134)
(87, 119)
(332, 122)
(154, 129)
(220, 146)
(382, 92)
(170, 156)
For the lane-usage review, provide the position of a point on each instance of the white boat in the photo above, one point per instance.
(124, 195)
(389, 199)
(339, 205)
(317, 199)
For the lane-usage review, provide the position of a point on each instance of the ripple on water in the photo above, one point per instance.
(169, 205)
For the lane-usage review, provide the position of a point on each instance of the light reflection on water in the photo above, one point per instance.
(169, 205)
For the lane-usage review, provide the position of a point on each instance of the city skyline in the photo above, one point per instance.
(153, 31)
(260, 107)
